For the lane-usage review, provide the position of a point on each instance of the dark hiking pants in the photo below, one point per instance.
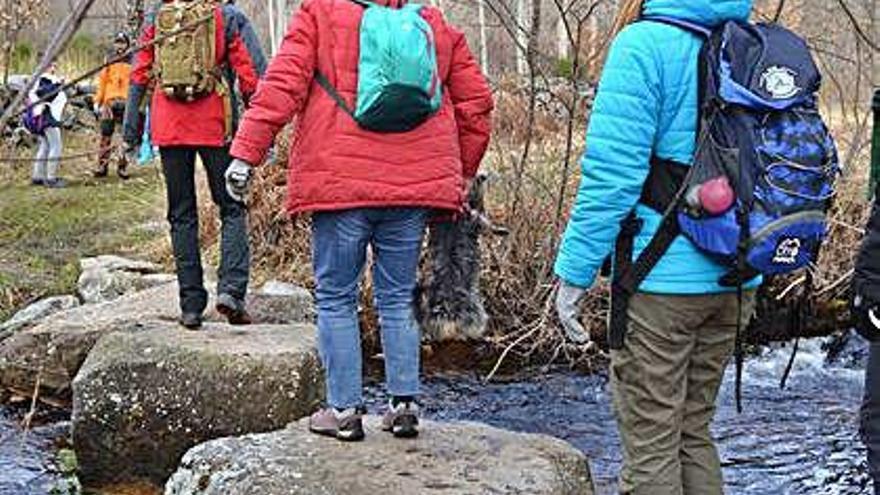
(114, 117)
(178, 164)
(870, 417)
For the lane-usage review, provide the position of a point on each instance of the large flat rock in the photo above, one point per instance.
(446, 459)
(147, 394)
(53, 349)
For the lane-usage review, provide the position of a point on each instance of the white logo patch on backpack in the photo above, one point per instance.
(787, 251)
(780, 82)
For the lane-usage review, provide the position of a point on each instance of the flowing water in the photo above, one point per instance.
(802, 440)
(27, 460)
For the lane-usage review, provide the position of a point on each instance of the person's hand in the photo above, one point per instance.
(238, 179)
(568, 307)
(865, 316)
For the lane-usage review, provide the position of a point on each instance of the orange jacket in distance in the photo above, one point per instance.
(113, 83)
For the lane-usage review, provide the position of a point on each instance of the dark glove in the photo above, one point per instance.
(865, 313)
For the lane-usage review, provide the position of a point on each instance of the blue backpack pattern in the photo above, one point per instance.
(398, 80)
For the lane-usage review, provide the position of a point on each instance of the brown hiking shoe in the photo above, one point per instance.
(346, 425)
(402, 419)
(233, 310)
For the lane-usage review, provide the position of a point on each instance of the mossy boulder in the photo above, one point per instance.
(53, 349)
(146, 394)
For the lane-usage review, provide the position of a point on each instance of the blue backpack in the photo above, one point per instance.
(37, 123)
(760, 132)
(398, 81)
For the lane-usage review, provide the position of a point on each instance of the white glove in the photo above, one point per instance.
(568, 307)
(98, 109)
(238, 179)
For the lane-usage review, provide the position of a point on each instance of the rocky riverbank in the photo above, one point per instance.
(144, 392)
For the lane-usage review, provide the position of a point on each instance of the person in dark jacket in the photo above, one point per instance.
(866, 318)
(196, 120)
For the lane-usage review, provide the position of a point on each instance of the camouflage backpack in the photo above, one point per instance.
(185, 62)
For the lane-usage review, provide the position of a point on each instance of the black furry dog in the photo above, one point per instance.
(448, 301)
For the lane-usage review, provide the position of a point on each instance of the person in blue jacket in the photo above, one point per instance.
(681, 324)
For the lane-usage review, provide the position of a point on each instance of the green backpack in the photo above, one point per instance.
(398, 82)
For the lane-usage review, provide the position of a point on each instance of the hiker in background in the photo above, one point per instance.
(191, 115)
(43, 119)
(252, 43)
(110, 105)
(681, 322)
(370, 164)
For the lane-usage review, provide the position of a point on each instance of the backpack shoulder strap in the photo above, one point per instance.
(327, 86)
(689, 26)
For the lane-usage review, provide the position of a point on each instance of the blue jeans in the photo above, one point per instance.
(340, 241)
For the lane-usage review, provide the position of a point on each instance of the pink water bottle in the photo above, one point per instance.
(715, 196)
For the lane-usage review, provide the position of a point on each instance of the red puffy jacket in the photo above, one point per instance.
(334, 164)
(197, 123)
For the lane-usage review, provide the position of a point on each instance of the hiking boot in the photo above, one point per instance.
(346, 425)
(38, 182)
(55, 183)
(233, 310)
(402, 419)
(100, 173)
(122, 173)
(192, 321)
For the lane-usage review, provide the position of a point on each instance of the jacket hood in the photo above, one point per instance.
(391, 3)
(704, 12)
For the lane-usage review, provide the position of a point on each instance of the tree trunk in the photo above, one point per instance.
(484, 38)
(875, 35)
(562, 41)
(273, 38)
(522, 37)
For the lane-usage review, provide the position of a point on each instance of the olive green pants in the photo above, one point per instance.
(664, 382)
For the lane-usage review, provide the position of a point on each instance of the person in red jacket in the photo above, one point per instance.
(364, 189)
(187, 123)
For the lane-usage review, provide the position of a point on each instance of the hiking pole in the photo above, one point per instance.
(118, 58)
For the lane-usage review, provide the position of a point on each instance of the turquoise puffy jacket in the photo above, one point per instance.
(646, 104)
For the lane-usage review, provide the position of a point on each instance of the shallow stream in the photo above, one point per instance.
(802, 440)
